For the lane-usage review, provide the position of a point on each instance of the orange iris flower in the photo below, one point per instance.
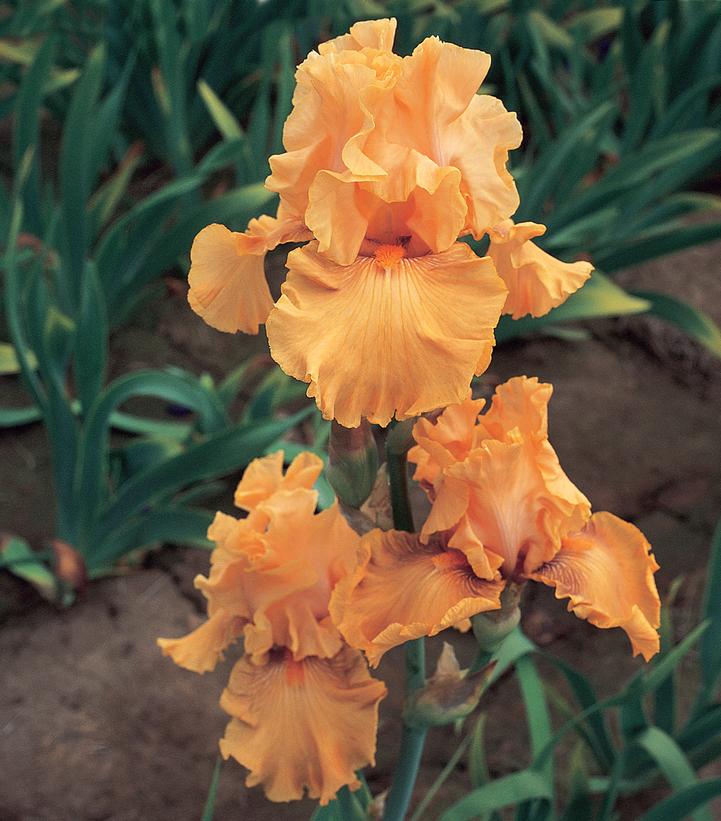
(502, 511)
(388, 162)
(303, 707)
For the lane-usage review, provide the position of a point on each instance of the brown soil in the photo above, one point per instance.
(94, 724)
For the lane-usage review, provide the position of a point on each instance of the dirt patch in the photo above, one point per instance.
(96, 725)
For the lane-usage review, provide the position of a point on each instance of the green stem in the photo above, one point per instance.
(409, 759)
(398, 479)
(413, 739)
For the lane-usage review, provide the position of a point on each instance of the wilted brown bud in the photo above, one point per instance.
(352, 462)
(449, 694)
(377, 507)
(70, 568)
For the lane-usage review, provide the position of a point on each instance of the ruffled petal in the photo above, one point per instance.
(373, 34)
(536, 281)
(438, 82)
(227, 281)
(305, 725)
(478, 145)
(288, 595)
(227, 286)
(452, 496)
(402, 589)
(606, 571)
(513, 512)
(264, 476)
(374, 342)
(519, 404)
(335, 216)
(496, 484)
(445, 440)
(273, 584)
(202, 649)
(338, 99)
(440, 114)
(418, 199)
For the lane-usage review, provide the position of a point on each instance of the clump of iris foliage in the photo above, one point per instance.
(621, 107)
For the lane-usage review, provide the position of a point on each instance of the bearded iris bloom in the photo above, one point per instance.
(388, 162)
(303, 708)
(503, 511)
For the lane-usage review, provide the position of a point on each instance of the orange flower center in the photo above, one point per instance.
(389, 255)
(294, 670)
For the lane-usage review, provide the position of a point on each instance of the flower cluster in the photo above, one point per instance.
(503, 511)
(388, 162)
(303, 707)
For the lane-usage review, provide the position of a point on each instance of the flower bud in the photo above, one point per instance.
(352, 463)
(448, 695)
(492, 627)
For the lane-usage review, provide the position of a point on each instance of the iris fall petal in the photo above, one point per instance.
(606, 571)
(302, 725)
(402, 589)
(375, 341)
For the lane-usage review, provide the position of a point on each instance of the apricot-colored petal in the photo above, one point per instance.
(440, 114)
(375, 342)
(536, 280)
(521, 403)
(201, 650)
(417, 197)
(519, 411)
(452, 497)
(227, 287)
(445, 440)
(248, 586)
(335, 217)
(512, 511)
(293, 623)
(374, 34)
(485, 563)
(260, 480)
(303, 471)
(438, 82)
(478, 145)
(302, 725)
(235, 538)
(606, 571)
(264, 476)
(402, 589)
(277, 579)
(334, 112)
(289, 603)
(265, 232)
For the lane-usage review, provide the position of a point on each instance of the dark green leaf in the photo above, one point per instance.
(684, 802)
(508, 791)
(671, 761)
(598, 297)
(172, 524)
(91, 340)
(222, 453)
